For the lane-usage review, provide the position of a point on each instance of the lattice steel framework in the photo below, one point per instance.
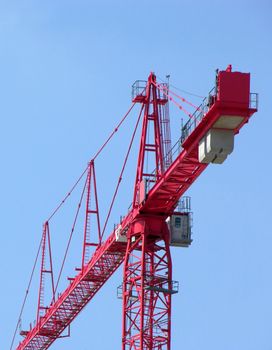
(147, 287)
(147, 282)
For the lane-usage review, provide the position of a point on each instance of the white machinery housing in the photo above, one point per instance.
(215, 146)
(180, 229)
(121, 234)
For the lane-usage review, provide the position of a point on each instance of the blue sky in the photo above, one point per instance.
(66, 69)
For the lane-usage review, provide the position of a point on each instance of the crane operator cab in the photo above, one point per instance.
(180, 224)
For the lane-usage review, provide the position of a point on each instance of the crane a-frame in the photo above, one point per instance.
(155, 220)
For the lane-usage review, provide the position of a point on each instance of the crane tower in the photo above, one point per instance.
(159, 217)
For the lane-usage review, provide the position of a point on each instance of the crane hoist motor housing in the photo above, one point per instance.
(180, 229)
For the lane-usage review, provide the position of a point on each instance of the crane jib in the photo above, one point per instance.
(226, 108)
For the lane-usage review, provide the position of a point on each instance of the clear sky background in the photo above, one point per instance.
(66, 69)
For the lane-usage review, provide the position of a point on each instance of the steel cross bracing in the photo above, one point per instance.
(85, 285)
(148, 270)
(147, 286)
(147, 283)
(45, 270)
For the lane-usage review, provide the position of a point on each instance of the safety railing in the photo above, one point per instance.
(186, 130)
(133, 295)
(162, 92)
(198, 115)
(253, 100)
(138, 89)
(190, 126)
(161, 284)
(184, 205)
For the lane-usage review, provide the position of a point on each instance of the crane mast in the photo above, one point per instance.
(144, 236)
(147, 282)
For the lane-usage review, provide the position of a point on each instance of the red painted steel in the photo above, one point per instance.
(147, 284)
(147, 270)
(165, 128)
(46, 250)
(92, 210)
(151, 147)
(82, 289)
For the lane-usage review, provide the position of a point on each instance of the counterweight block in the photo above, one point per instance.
(215, 146)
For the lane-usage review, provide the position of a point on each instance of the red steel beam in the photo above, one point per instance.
(186, 168)
(84, 286)
(161, 199)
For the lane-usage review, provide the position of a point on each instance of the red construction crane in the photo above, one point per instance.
(157, 219)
